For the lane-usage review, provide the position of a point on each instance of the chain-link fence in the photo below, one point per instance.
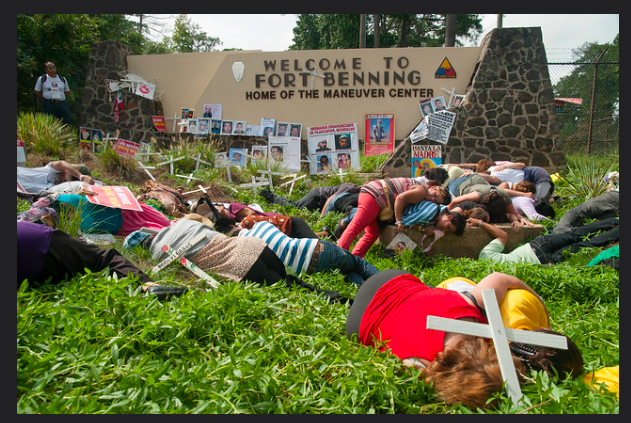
(591, 127)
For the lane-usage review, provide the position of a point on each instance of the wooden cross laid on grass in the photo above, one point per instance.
(500, 335)
(179, 256)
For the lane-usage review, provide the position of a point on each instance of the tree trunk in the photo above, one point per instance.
(362, 30)
(450, 30)
(376, 31)
(405, 28)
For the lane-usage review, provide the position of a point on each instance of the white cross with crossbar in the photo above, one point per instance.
(500, 335)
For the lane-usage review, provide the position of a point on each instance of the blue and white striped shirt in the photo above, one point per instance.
(422, 213)
(295, 253)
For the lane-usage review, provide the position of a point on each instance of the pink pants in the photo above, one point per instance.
(365, 219)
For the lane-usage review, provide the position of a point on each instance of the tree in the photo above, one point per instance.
(574, 123)
(315, 32)
(188, 38)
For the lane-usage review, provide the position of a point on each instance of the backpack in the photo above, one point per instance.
(59, 76)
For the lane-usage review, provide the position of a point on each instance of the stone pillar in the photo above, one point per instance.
(508, 112)
(107, 60)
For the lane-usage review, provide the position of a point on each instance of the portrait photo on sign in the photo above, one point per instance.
(237, 156)
(192, 126)
(426, 107)
(259, 153)
(226, 127)
(439, 104)
(295, 130)
(208, 111)
(281, 129)
(267, 127)
(221, 159)
(321, 144)
(343, 160)
(323, 163)
(215, 126)
(97, 140)
(239, 127)
(399, 243)
(85, 134)
(456, 100)
(342, 142)
(379, 130)
(202, 128)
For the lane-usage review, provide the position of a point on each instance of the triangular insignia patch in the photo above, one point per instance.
(445, 70)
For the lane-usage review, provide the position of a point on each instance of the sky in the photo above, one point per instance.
(274, 32)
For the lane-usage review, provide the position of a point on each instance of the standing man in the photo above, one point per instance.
(53, 89)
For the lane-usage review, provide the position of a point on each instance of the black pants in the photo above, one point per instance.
(364, 296)
(311, 201)
(301, 229)
(267, 269)
(59, 109)
(554, 248)
(68, 256)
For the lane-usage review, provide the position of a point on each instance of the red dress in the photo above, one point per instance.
(397, 315)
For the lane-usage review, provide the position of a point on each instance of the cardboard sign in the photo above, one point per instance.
(158, 123)
(112, 196)
(379, 133)
(126, 148)
(21, 154)
(145, 89)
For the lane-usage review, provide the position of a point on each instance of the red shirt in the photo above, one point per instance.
(398, 312)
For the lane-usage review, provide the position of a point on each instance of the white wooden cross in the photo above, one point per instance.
(500, 335)
(146, 169)
(269, 174)
(293, 181)
(188, 178)
(170, 162)
(451, 93)
(199, 160)
(313, 75)
(256, 182)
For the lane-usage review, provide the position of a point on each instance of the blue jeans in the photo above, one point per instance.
(333, 257)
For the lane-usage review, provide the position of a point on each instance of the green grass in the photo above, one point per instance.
(96, 345)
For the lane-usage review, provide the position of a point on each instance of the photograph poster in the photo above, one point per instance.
(379, 134)
(267, 127)
(237, 156)
(259, 153)
(399, 243)
(97, 140)
(85, 139)
(332, 147)
(221, 159)
(215, 126)
(425, 157)
(285, 150)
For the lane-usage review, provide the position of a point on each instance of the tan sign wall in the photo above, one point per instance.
(347, 83)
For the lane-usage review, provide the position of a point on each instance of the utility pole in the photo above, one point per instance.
(376, 31)
(499, 20)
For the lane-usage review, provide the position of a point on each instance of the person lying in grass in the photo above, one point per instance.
(309, 255)
(48, 255)
(390, 312)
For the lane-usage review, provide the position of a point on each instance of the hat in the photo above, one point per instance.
(135, 238)
(344, 136)
(546, 210)
(84, 170)
(199, 218)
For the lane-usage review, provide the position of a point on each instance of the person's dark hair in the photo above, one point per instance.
(478, 213)
(224, 225)
(550, 359)
(436, 175)
(525, 186)
(496, 206)
(460, 222)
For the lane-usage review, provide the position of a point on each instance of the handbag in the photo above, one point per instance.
(386, 213)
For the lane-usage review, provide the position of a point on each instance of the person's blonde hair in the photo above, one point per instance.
(469, 373)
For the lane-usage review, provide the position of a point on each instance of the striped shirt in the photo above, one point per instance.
(422, 213)
(295, 253)
(395, 186)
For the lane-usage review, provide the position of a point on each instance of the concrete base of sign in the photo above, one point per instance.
(468, 245)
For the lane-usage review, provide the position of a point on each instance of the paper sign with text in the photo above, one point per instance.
(118, 197)
(126, 148)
